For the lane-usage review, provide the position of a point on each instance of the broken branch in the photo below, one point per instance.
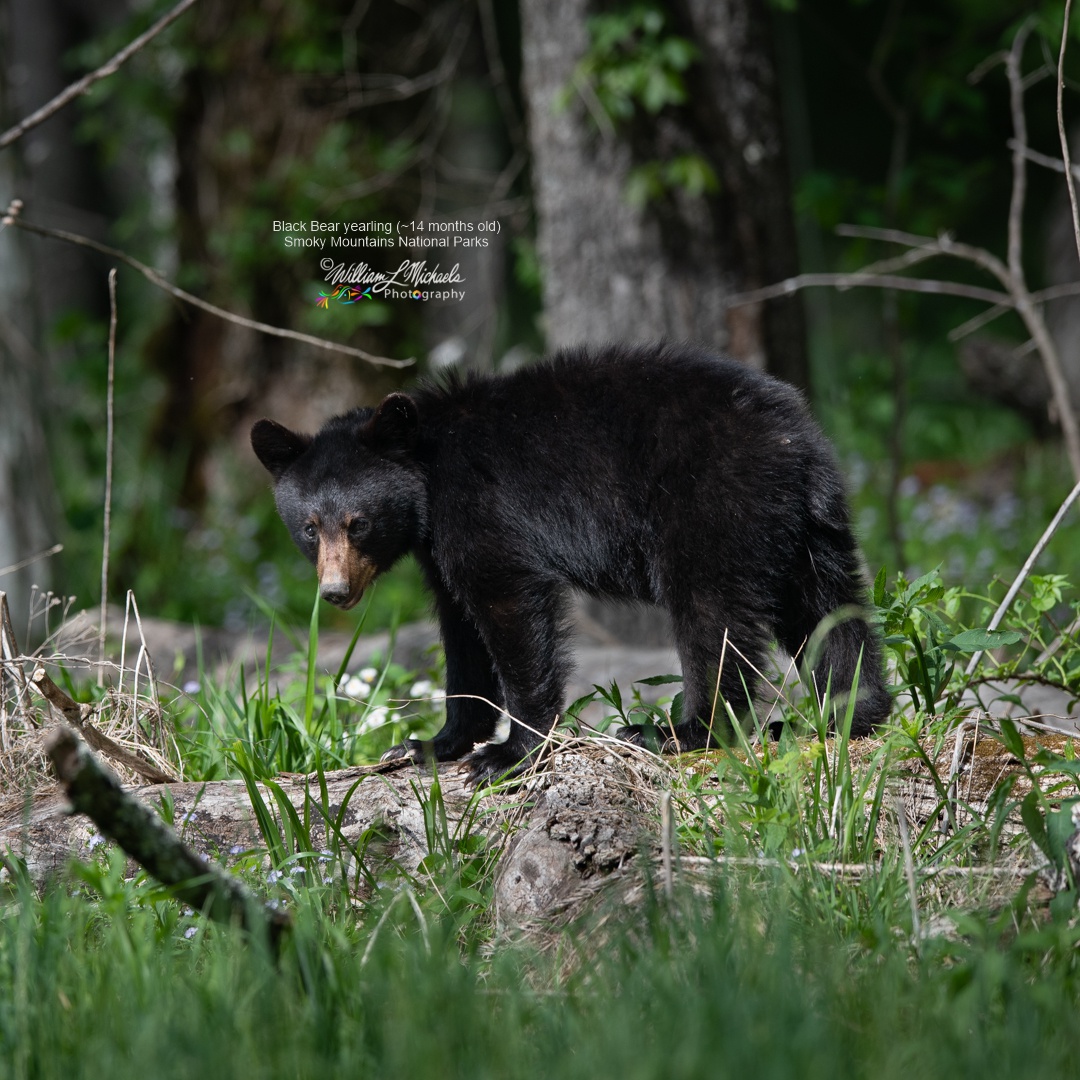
(206, 887)
(79, 717)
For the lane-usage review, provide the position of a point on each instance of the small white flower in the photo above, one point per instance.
(438, 694)
(190, 932)
(422, 688)
(274, 876)
(191, 687)
(357, 688)
(95, 841)
(374, 719)
(369, 674)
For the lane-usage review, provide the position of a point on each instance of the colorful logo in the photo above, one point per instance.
(345, 294)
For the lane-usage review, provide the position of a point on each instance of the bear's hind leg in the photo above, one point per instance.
(715, 675)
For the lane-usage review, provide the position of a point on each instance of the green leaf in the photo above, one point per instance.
(970, 641)
(879, 588)
(1032, 818)
(677, 708)
(1012, 740)
(659, 680)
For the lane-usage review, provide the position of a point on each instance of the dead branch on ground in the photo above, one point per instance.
(145, 837)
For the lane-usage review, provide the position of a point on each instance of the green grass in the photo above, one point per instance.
(766, 962)
(745, 984)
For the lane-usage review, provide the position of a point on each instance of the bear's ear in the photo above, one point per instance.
(276, 446)
(396, 423)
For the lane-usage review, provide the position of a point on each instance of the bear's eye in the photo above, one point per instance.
(359, 528)
(310, 531)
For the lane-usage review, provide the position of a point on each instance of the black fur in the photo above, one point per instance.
(662, 474)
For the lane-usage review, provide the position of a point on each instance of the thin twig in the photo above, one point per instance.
(155, 278)
(80, 86)
(1036, 551)
(1045, 160)
(109, 442)
(47, 553)
(849, 869)
(1019, 185)
(878, 281)
(1070, 181)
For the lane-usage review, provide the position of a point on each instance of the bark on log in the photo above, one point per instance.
(581, 827)
(565, 829)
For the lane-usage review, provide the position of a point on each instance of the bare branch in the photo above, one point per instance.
(30, 560)
(943, 245)
(880, 281)
(142, 834)
(80, 86)
(1036, 551)
(1056, 292)
(1066, 163)
(1045, 160)
(1019, 185)
(151, 275)
(78, 716)
(977, 322)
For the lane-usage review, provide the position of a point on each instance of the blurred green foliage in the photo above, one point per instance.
(975, 488)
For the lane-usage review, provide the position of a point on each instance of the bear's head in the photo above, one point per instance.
(352, 496)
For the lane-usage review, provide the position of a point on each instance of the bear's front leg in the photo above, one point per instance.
(473, 691)
(525, 637)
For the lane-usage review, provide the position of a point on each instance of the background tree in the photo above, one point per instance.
(634, 157)
(659, 174)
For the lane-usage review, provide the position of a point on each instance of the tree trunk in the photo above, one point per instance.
(40, 280)
(616, 270)
(666, 269)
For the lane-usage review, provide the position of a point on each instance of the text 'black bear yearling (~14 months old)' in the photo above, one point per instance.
(663, 474)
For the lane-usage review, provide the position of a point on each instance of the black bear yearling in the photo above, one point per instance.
(663, 474)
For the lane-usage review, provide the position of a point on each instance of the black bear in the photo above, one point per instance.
(664, 474)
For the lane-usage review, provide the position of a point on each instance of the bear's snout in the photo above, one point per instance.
(344, 573)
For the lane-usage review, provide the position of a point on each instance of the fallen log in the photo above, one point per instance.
(580, 825)
(559, 832)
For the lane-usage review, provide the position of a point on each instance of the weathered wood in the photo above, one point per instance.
(146, 838)
(577, 828)
(565, 828)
